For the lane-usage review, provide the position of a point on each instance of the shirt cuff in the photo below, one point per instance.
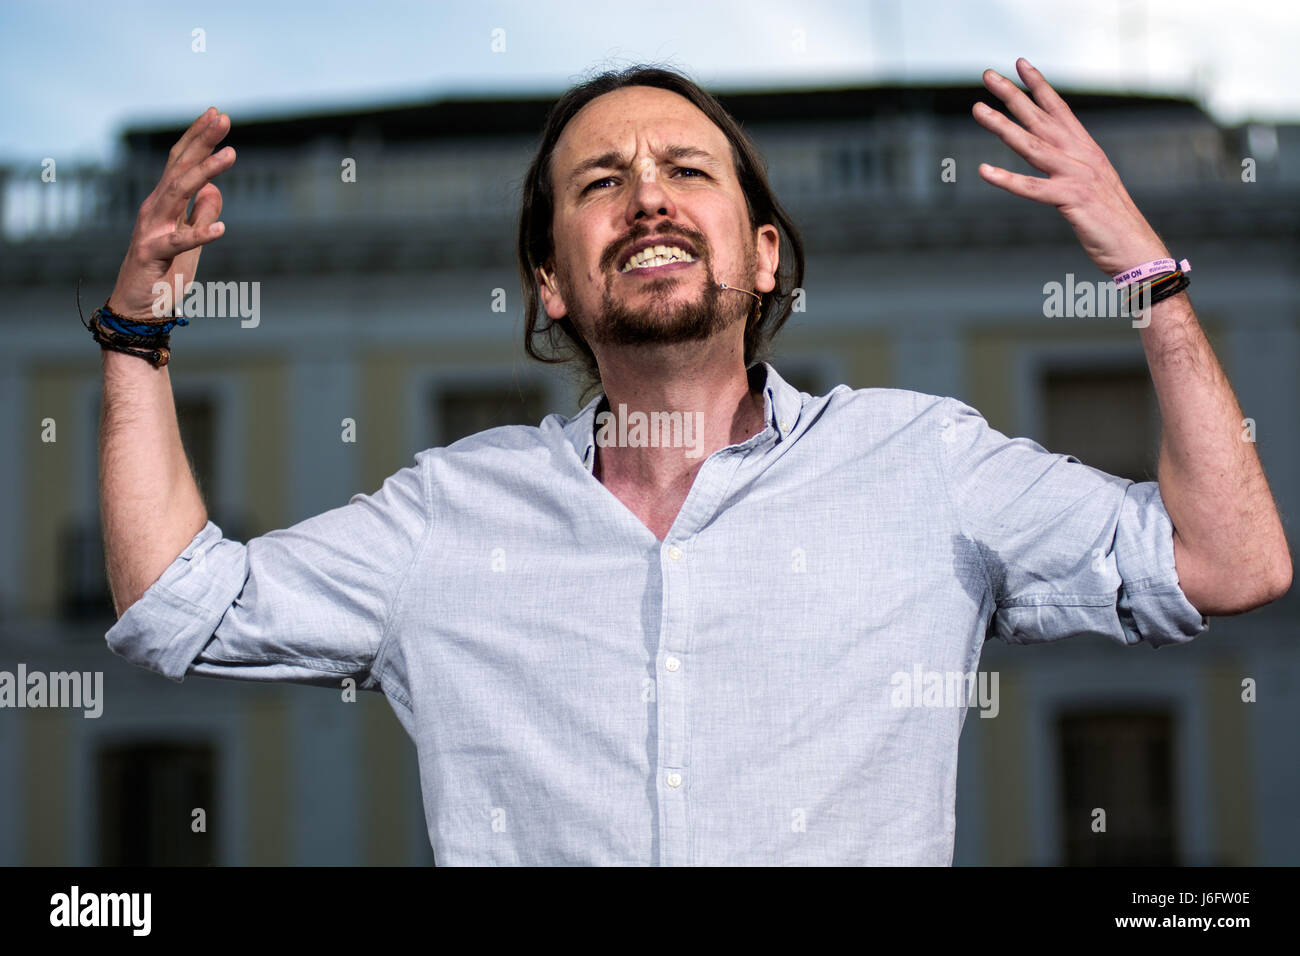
(167, 628)
(1152, 607)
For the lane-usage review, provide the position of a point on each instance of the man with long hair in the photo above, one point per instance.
(701, 621)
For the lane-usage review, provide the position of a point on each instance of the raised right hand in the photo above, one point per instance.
(165, 244)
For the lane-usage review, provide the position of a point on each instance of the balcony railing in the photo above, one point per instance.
(894, 161)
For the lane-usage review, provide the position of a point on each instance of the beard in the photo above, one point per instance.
(666, 318)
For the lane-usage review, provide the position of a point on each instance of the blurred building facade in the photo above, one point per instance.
(392, 301)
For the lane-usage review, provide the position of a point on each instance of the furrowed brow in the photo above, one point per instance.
(616, 160)
(610, 160)
(693, 153)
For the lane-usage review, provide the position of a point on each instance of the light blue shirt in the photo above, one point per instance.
(754, 689)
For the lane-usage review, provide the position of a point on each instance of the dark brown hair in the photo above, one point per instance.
(559, 341)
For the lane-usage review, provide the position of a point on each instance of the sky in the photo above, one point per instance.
(74, 75)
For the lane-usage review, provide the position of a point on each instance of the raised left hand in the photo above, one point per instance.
(1081, 182)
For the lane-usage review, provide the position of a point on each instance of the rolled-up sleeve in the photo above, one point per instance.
(306, 604)
(1068, 549)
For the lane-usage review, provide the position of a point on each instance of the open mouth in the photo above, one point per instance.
(657, 258)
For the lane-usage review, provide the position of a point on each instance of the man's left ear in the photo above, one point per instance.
(768, 247)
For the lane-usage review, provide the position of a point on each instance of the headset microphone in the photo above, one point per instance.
(724, 286)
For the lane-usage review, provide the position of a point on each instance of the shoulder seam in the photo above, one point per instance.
(385, 640)
(948, 403)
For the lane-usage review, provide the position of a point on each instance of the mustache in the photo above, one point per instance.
(615, 252)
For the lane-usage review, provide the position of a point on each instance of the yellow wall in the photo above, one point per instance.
(268, 812)
(1231, 776)
(52, 393)
(47, 817)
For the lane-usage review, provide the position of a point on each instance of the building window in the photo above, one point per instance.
(197, 417)
(83, 578)
(1120, 762)
(462, 410)
(148, 793)
(1107, 418)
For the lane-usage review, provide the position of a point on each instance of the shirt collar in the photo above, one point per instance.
(782, 403)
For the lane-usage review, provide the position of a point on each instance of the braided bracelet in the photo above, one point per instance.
(157, 357)
(150, 341)
(117, 323)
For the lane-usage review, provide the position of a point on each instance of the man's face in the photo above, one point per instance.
(644, 165)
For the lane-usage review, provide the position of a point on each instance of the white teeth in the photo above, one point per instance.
(657, 256)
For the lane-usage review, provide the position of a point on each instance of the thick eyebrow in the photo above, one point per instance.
(616, 160)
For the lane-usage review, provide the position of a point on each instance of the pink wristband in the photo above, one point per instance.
(1153, 268)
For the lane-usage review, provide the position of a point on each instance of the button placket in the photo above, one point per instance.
(672, 678)
(675, 837)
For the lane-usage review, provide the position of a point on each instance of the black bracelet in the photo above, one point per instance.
(157, 357)
(1158, 288)
(153, 349)
(1171, 288)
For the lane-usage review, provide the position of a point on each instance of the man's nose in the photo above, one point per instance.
(649, 198)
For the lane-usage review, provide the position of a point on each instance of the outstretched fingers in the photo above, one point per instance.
(207, 207)
(190, 164)
(197, 127)
(202, 143)
(179, 189)
(1018, 184)
(201, 228)
(169, 245)
(1021, 106)
(1049, 100)
(1039, 153)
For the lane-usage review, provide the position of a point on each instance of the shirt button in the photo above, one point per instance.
(674, 779)
(675, 553)
(784, 426)
(672, 663)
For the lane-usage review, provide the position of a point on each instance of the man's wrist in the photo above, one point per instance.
(117, 308)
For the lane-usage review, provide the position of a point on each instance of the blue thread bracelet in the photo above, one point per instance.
(126, 326)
